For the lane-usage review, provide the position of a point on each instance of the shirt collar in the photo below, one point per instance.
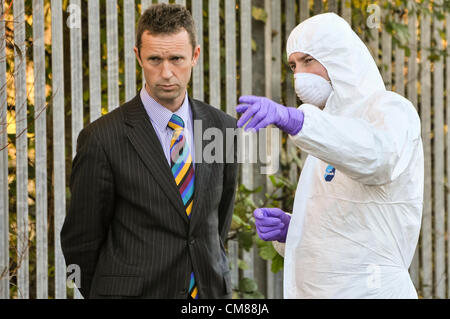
(159, 114)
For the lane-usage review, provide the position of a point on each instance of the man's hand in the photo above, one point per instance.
(271, 224)
(265, 112)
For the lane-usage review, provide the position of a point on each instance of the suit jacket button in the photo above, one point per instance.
(192, 242)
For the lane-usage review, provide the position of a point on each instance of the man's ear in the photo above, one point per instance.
(136, 51)
(196, 55)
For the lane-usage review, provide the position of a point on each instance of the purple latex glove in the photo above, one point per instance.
(265, 112)
(272, 224)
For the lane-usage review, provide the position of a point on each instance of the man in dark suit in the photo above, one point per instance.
(148, 216)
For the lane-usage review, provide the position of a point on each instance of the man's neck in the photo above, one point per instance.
(172, 105)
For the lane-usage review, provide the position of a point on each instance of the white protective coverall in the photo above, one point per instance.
(353, 234)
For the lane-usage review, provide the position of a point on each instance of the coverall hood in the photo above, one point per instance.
(353, 73)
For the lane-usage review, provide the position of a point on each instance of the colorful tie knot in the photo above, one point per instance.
(176, 123)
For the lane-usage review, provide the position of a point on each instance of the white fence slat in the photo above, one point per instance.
(303, 9)
(425, 114)
(182, 2)
(318, 6)
(197, 76)
(447, 81)
(233, 253)
(291, 97)
(230, 58)
(21, 150)
(246, 89)
(214, 53)
(346, 10)
(112, 43)
(76, 71)
(412, 61)
(129, 26)
(374, 42)
(412, 96)
(144, 5)
(41, 151)
(268, 54)
(268, 282)
(386, 60)
(95, 81)
(439, 190)
(4, 199)
(59, 154)
(332, 6)
(246, 77)
(277, 54)
(268, 50)
(399, 67)
(246, 46)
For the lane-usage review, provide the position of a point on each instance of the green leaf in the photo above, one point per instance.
(266, 251)
(277, 263)
(242, 264)
(238, 220)
(247, 285)
(245, 239)
(259, 14)
(277, 182)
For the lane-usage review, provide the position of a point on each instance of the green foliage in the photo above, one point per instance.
(394, 17)
(249, 289)
(243, 228)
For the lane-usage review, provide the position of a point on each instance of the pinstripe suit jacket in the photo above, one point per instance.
(127, 228)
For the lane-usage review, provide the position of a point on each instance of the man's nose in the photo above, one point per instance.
(299, 69)
(166, 72)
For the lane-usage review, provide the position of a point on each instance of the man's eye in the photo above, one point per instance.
(308, 60)
(154, 60)
(177, 59)
(292, 67)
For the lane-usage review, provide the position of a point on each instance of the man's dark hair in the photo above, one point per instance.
(166, 19)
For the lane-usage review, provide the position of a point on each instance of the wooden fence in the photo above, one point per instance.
(26, 227)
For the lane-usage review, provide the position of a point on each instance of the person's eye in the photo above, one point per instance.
(177, 60)
(292, 66)
(308, 60)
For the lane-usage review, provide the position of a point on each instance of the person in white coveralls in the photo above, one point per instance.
(358, 205)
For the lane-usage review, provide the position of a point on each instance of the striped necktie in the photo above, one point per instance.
(183, 172)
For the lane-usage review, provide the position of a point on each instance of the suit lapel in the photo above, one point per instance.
(200, 114)
(143, 137)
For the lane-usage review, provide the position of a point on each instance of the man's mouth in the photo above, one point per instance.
(168, 86)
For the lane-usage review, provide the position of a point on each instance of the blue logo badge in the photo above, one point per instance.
(329, 173)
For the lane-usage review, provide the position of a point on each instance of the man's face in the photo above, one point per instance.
(304, 63)
(167, 61)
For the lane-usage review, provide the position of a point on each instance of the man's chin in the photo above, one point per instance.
(168, 97)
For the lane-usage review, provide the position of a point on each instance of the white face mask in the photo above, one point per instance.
(312, 89)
